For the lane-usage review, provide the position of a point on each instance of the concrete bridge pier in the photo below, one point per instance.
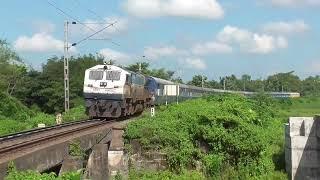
(97, 167)
(71, 164)
(117, 160)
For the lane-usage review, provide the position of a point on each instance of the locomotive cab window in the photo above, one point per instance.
(96, 75)
(113, 75)
(128, 79)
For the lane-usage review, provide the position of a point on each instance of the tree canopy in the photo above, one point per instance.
(44, 90)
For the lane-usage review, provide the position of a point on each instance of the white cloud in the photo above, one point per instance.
(263, 44)
(251, 42)
(294, 3)
(154, 53)
(208, 9)
(43, 26)
(290, 27)
(110, 54)
(195, 63)
(211, 48)
(39, 42)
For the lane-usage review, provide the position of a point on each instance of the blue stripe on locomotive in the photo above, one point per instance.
(151, 85)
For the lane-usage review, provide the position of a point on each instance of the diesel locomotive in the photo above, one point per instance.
(111, 92)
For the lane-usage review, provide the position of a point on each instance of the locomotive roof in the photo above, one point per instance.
(162, 81)
(102, 67)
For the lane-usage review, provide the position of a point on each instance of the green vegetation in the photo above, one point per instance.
(15, 117)
(76, 150)
(301, 107)
(13, 174)
(230, 135)
(166, 175)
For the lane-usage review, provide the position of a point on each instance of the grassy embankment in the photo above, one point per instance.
(15, 117)
(301, 107)
(243, 137)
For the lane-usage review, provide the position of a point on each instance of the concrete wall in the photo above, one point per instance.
(46, 157)
(147, 160)
(302, 147)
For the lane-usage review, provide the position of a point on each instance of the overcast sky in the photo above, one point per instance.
(210, 37)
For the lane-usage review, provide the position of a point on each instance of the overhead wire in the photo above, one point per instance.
(62, 12)
(94, 14)
(89, 10)
(97, 32)
(68, 15)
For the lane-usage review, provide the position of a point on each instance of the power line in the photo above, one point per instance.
(97, 32)
(95, 14)
(84, 24)
(89, 10)
(68, 15)
(105, 39)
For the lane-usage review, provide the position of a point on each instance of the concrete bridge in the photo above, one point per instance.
(103, 146)
(302, 148)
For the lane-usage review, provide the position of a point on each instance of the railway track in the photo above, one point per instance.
(19, 141)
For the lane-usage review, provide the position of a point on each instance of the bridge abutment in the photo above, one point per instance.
(302, 147)
(97, 166)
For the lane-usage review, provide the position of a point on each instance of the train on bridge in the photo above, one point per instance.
(111, 92)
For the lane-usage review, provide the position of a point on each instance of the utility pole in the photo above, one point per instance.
(202, 81)
(140, 68)
(66, 67)
(224, 84)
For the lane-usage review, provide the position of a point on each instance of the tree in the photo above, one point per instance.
(245, 80)
(159, 73)
(283, 82)
(231, 83)
(311, 86)
(214, 84)
(177, 80)
(199, 80)
(135, 68)
(12, 70)
(46, 89)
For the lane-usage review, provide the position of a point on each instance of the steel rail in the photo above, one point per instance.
(45, 138)
(40, 130)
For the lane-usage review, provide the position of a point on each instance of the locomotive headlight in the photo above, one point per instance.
(103, 84)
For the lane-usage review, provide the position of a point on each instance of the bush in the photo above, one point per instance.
(11, 108)
(13, 174)
(41, 118)
(164, 175)
(29, 120)
(11, 126)
(219, 130)
(75, 114)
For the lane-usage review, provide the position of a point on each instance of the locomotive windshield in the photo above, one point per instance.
(113, 75)
(96, 75)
